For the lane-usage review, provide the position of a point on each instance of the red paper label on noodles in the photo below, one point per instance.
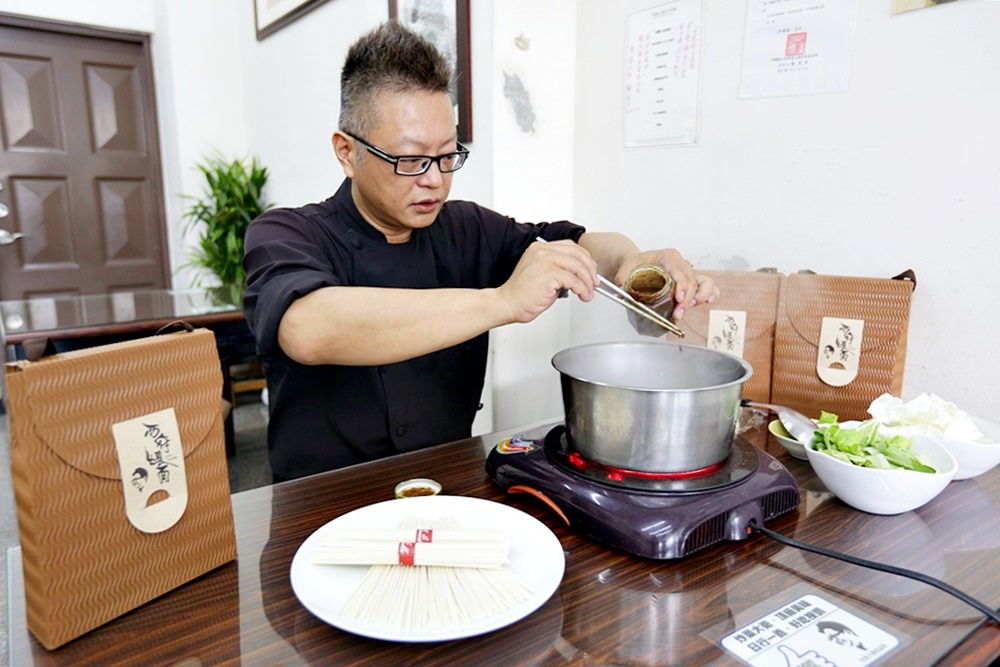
(406, 552)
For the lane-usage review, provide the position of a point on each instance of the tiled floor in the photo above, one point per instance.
(248, 469)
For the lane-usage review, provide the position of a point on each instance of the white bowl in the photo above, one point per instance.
(794, 448)
(879, 491)
(974, 458)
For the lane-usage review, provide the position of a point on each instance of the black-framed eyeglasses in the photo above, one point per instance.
(415, 165)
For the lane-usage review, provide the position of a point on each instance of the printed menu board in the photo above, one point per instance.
(662, 64)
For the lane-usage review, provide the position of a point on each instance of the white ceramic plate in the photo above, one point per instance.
(536, 557)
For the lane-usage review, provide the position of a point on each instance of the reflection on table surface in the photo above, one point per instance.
(611, 608)
(60, 313)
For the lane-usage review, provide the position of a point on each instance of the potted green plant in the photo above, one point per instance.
(233, 197)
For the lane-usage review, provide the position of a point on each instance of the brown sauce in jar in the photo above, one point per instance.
(649, 283)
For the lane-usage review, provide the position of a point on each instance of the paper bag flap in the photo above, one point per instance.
(753, 292)
(696, 323)
(76, 397)
(882, 303)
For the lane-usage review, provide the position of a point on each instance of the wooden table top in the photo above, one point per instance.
(611, 608)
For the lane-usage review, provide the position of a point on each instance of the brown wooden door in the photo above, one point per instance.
(79, 168)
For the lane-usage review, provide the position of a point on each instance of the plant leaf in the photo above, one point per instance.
(231, 200)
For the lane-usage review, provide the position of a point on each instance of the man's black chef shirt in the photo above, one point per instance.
(327, 416)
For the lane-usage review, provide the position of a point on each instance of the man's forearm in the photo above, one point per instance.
(362, 326)
(609, 250)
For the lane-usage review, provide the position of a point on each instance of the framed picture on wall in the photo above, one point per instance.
(446, 24)
(273, 15)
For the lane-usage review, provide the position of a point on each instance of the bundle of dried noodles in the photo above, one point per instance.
(425, 577)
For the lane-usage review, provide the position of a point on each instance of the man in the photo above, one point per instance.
(371, 310)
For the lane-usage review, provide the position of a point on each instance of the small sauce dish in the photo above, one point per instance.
(794, 448)
(420, 486)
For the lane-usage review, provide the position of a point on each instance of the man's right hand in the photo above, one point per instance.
(545, 269)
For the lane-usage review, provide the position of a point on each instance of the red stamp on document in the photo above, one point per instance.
(795, 44)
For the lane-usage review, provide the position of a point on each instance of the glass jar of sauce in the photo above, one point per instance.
(653, 286)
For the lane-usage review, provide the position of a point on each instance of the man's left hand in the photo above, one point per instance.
(690, 288)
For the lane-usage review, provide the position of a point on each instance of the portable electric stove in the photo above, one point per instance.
(653, 515)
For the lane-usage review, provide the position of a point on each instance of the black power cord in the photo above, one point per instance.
(882, 567)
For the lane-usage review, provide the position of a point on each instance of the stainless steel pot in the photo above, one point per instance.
(651, 406)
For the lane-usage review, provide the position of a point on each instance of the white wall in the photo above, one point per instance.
(901, 171)
(293, 98)
(134, 15)
(532, 135)
(200, 91)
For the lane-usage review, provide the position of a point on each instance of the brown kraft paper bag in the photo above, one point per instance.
(120, 477)
(840, 342)
(740, 321)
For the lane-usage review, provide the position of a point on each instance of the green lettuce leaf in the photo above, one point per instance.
(865, 446)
